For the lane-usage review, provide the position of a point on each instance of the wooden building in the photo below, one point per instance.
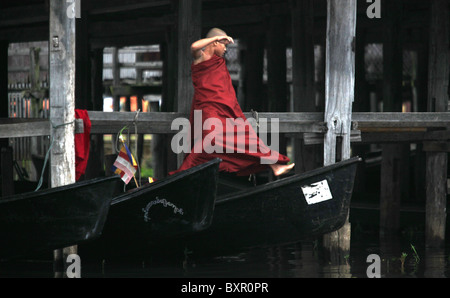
(345, 77)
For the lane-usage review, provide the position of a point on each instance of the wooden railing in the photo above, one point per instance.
(373, 127)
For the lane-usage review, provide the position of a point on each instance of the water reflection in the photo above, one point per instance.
(436, 263)
(401, 257)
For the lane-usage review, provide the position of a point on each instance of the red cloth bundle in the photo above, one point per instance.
(82, 143)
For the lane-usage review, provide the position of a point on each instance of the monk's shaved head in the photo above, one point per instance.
(215, 32)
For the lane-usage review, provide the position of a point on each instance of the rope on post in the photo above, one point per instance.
(48, 151)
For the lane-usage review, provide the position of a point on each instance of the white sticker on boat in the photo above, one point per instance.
(317, 192)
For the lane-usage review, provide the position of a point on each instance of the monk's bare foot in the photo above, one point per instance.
(281, 169)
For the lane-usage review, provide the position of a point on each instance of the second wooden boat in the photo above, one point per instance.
(287, 210)
(176, 206)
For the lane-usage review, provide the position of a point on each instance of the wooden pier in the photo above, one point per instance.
(328, 107)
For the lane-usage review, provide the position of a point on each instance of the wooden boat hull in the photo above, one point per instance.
(41, 221)
(279, 212)
(173, 207)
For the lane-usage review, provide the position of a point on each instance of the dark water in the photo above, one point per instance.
(403, 256)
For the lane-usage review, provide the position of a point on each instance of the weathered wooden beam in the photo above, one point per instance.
(404, 137)
(15, 128)
(113, 122)
(390, 127)
(30, 127)
(339, 97)
(62, 97)
(160, 123)
(317, 138)
(62, 101)
(397, 119)
(438, 98)
(340, 76)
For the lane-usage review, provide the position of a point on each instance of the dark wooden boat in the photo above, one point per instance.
(41, 221)
(176, 206)
(290, 209)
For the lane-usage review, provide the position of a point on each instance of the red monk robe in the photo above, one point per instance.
(216, 98)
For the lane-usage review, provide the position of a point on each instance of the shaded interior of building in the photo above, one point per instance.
(126, 57)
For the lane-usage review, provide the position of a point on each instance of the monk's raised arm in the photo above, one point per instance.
(198, 46)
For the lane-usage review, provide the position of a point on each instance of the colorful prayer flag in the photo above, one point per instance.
(125, 164)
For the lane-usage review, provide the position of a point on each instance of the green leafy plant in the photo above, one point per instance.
(402, 261)
(416, 255)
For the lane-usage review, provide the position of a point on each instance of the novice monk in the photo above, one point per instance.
(216, 98)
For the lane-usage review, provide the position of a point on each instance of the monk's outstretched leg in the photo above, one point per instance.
(281, 169)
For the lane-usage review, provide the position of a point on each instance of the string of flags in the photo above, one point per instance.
(125, 164)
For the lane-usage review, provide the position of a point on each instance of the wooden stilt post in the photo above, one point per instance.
(438, 97)
(392, 156)
(422, 98)
(6, 160)
(276, 65)
(83, 61)
(254, 70)
(189, 30)
(116, 77)
(169, 51)
(361, 104)
(4, 85)
(276, 70)
(242, 48)
(62, 97)
(339, 85)
(306, 157)
(116, 97)
(6, 171)
(96, 152)
(160, 145)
